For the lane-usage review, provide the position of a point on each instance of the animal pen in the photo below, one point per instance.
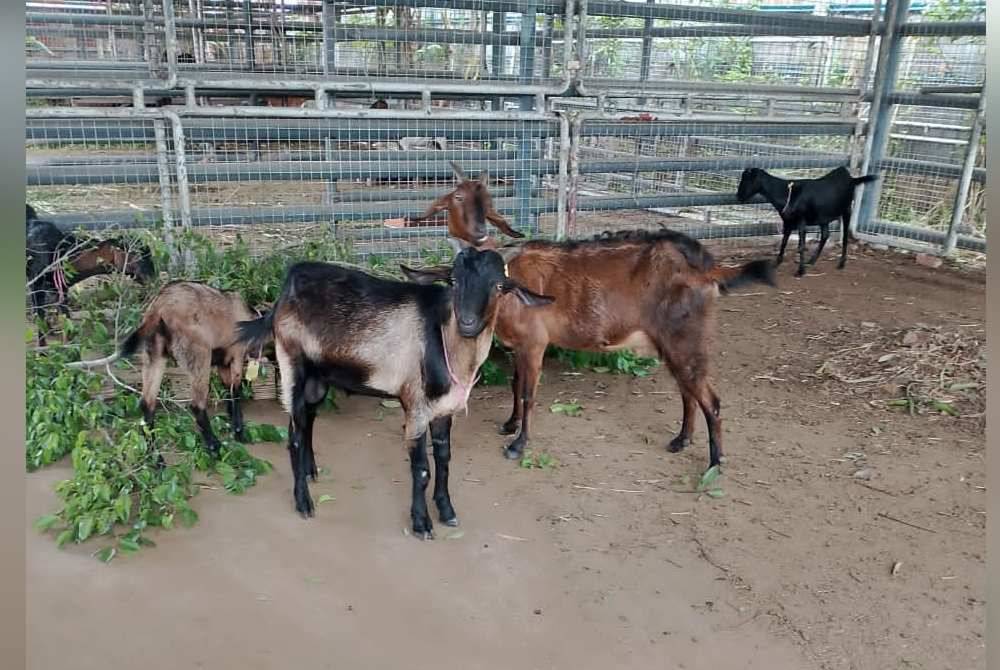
(588, 115)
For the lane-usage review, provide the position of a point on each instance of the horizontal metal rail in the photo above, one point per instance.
(333, 170)
(374, 155)
(146, 173)
(849, 27)
(930, 168)
(720, 127)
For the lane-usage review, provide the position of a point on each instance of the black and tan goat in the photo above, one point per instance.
(49, 249)
(803, 203)
(423, 344)
(195, 324)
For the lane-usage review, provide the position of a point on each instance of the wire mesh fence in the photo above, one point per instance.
(634, 113)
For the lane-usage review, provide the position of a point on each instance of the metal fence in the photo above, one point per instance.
(587, 114)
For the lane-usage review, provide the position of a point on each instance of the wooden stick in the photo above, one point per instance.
(905, 523)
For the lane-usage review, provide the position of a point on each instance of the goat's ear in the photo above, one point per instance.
(427, 275)
(497, 220)
(438, 205)
(510, 252)
(457, 170)
(527, 296)
(484, 177)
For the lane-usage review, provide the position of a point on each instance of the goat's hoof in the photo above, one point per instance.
(241, 437)
(678, 444)
(304, 506)
(800, 272)
(513, 453)
(422, 528)
(840, 265)
(453, 522)
(509, 427)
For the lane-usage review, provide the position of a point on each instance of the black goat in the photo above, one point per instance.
(806, 202)
(421, 343)
(48, 248)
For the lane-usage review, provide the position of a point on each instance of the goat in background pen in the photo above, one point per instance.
(806, 202)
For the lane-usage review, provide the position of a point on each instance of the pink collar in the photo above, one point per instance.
(465, 388)
(60, 282)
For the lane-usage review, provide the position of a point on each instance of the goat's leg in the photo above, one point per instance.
(683, 438)
(441, 441)
(420, 474)
(509, 427)
(231, 376)
(197, 362)
(154, 365)
(802, 249)
(845, 235)
(711, 408)
(785, 234)
(824, 235)
(530, 362)
(299, 437)
(315, 392)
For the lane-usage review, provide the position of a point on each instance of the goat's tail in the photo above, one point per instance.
(256, 333)
(126, 349)
(759, 271)
(864, 179)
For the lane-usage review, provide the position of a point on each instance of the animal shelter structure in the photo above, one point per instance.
(588, 115)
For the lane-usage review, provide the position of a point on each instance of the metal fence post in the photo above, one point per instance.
(565, 119)
(329, 37)
(499, 24)
(647, 52)
(962, 195)
(880, 116)
(166, 199)
(527, 104)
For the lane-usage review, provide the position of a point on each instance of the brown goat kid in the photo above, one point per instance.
(469, 206)
(195, 325)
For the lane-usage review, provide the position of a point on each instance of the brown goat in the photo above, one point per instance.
(651, 292)
(195, 325)
(469, 206)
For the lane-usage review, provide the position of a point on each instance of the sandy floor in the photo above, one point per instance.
(790, 569)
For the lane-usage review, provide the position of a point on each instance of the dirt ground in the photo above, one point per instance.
(606, 560)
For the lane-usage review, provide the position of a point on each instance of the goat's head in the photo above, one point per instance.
(469, 206)
(134, 259)
(478, 279)
(749, 184)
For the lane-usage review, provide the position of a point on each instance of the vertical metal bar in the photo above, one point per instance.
(861, 149)
(180, 161)
(251, 57)
(166, 200)
(880, 118)
(138, 97)
(563, 184)
(146, 36)
(330, 19)
(112, 41)
(962, 196)
(170, 37)
(522, 188)
(576, 123)
(547, 46)
(499, 18)
(647, 52)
